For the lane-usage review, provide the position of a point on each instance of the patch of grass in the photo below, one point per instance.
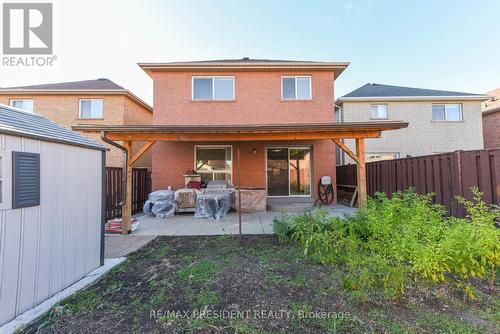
(113, 287)
(274, 278)
(202, 271)
(443, 323)
(85, 300)
(159, 297)
(207, 298)
(242, 327)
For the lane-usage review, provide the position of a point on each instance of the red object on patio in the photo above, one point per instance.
(194, 185)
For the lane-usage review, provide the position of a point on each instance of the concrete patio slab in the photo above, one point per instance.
(186, 224)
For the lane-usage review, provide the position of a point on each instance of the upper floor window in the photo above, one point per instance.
(447, 112)
(213, 88)
(378, 111)
(91, 108)
(24, 104)
(296, 88)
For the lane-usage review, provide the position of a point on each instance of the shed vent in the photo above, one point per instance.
(26, 179)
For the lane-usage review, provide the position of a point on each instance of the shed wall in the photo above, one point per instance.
(46, 248)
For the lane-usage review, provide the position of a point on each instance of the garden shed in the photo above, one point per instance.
(51, 209)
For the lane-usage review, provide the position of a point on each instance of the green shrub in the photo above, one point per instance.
(401, 240)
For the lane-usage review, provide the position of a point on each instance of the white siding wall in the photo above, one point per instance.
(45, 248)
(423, 136)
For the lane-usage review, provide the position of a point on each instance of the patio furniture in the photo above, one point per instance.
(191, 177)
(186, 200)
(213, 204)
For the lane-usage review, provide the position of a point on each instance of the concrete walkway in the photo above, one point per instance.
(186, 224)
(121, 245)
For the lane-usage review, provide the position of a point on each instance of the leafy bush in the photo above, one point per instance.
(401, 240)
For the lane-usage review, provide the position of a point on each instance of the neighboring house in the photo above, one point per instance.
(491, 120)
(439, 121)
(99, 102)
(51, 209)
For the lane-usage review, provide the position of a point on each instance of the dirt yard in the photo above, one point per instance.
(252, 285)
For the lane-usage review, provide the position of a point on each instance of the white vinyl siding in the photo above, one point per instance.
(378, 111)
(23, 104)
(447, 112)
(213, 88)
(1, 179)
(296, 88)
(91, 108)
(48, 247)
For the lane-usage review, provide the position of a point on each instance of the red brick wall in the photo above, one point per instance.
(257, 100)
(491, 130)
(173, 159)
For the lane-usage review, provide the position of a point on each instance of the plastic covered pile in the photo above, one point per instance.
(212, 204)
(161, 203)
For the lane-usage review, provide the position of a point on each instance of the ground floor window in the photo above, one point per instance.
(288, 171)
(214, 162)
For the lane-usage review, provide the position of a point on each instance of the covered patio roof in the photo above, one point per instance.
(253, 132)
(250, 132)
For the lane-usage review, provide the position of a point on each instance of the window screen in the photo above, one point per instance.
(26, 179)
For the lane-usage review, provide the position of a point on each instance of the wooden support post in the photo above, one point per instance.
(239, 193)
(360, 153)
(127, 206)
(142, 150)
(346, 149)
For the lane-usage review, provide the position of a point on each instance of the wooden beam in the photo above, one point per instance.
(171, 136)
(127, 206)
(360, 152)
(346, 149)
(141, 151)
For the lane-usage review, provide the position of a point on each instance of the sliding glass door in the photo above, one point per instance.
(288, 171)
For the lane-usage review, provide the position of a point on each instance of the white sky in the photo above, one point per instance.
(451, 47)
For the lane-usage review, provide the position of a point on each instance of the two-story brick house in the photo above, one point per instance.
(245, 92)
(439, 121)
(100, 102)
(265, 124)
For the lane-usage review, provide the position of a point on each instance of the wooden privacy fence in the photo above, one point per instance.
(141, 187)
(447, 175)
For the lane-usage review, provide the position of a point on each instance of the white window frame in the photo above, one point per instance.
(377, 105)
(213, 77)
(219, 171)
(460, 107)
(296, 95)
(310, 148)
(11, 103)
(80, 109)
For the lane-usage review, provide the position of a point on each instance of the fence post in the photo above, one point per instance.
(456, 184)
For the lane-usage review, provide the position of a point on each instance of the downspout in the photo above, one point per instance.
(125, 164)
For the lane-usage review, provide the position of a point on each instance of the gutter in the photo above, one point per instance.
(110, 142)
(414, 98)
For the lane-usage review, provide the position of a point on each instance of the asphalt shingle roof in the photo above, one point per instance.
(17, 122)
(97, 84)
(378, 90)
